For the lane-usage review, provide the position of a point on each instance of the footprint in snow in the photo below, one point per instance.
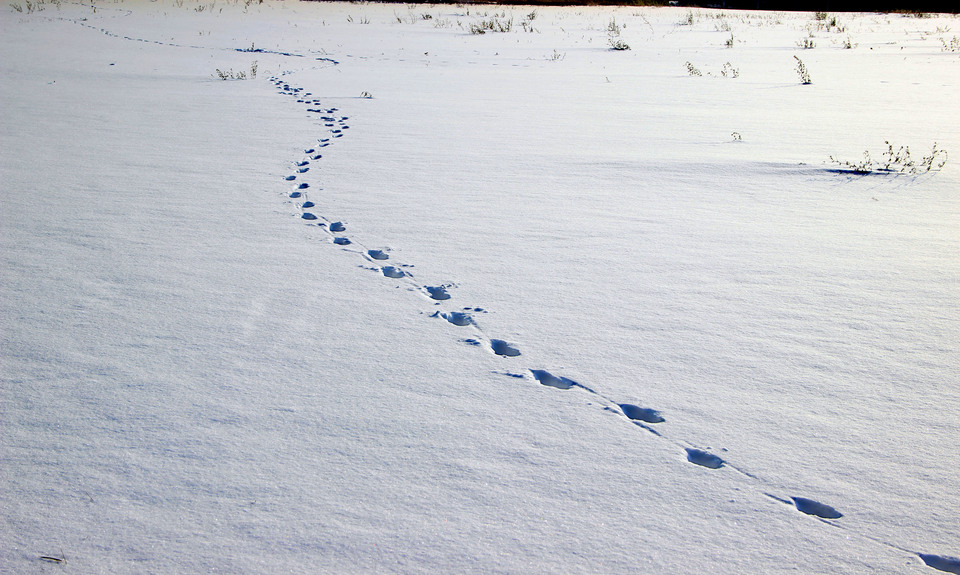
(438, 293)
(302, 164)
(290, 178)
(303, 170)
(295, 194)
(303, 186)
(307, 205)
(503, 348)
(703, 458)
(550, 380)
(337, 227)
(378, 254)
(392, 272)
(341, 241)
(458, 318)
(811, 507)
(317, 157)
(941, 562)
(309, 151)
(644, 414)
(308, 216)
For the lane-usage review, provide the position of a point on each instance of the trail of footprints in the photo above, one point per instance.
(645, 418)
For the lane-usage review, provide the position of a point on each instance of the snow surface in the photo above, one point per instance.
(539, 235)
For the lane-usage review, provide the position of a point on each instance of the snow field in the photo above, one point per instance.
(199, 379)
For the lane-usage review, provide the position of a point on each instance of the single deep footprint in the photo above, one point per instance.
(811, 507)
(341, 241)
(458, 318)
(377, 254)
(703, 458)
(941, 562)
(550, 380)
(307, 205)
(392, 272)
(503, 348)
(644, 414)
(308, 216)
(438, 293)
(337, 227)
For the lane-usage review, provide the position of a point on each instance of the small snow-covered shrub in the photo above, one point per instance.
(895, 161)
(618, 44)
(802, 72)
(494, 24)
(231, 75)
(30, 7)
(613, 36)
(613, 29)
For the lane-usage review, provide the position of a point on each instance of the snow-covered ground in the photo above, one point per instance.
(195, 378)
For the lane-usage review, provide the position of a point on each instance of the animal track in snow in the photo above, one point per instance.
(704, 458)
(811, 507)
(550, 380)
(392, 272)
(644, 414)
(458, 318)
(941, 562)
(643, 417)
(438, 293)
(503, 348)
